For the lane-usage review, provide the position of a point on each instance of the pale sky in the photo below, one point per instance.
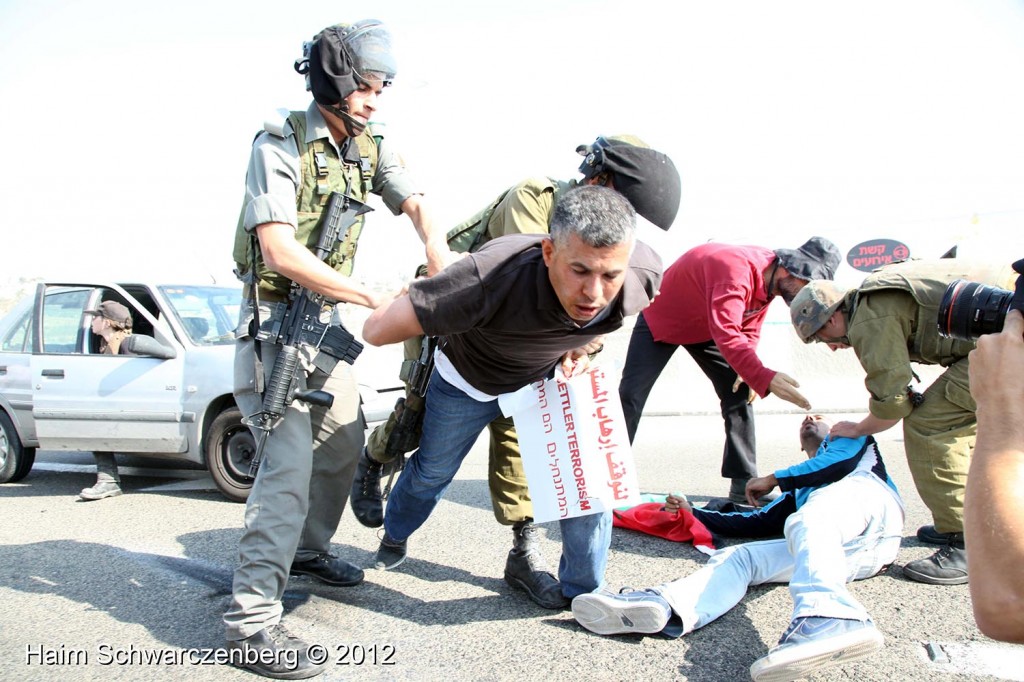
(127, 124)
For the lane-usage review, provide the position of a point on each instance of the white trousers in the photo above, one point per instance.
(846, 531)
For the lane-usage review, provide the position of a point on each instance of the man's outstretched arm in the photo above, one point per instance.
(392, 322)
(993, 507)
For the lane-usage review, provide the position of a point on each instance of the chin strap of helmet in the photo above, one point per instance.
(353, 126)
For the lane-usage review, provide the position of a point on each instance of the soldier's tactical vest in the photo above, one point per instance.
(468, 236)
(322, 173)
(927, 282)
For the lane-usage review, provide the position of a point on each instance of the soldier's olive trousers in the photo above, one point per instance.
(300, 491)
(510, 495)
(939, 438)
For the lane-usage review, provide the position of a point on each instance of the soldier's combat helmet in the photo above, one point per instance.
(813, 306)
(645, 176)
(342, 58)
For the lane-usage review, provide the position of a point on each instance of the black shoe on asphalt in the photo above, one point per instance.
(929, 535)
(329, 569)
(391, 553)
(948, 566)
(365, 497)
(527, 572)
(274, 652)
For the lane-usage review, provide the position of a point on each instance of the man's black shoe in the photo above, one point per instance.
(526, 569)
(329, 569)
(527, 572)
(391, 553)
(274, 652)
(365, 497)
(929, 535)
(948, 566)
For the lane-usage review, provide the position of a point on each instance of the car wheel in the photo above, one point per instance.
(15, 461)
(229, 449)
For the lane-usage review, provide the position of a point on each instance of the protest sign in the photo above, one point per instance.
(574, 446)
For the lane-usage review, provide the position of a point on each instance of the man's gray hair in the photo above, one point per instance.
(598, 215)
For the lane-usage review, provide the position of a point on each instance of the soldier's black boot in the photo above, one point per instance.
(365, 497)
(526, 569)
(948, 566)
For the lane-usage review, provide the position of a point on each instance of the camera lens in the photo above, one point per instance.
(969, 310)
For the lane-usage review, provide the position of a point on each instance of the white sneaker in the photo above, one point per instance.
(643, 612)
(812, 643)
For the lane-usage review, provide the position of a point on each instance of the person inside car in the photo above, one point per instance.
(112, 322)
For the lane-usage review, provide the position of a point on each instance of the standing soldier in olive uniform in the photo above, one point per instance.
(298, 496)
(890, 320)
(649, 180)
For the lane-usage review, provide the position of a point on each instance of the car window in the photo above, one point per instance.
(18, 339)
(207, 313)
(62, 320)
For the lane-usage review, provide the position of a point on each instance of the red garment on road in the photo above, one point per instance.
(651, 518)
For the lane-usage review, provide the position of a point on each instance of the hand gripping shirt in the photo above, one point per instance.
(502, 324)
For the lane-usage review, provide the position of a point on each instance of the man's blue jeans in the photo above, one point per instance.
(451, 425)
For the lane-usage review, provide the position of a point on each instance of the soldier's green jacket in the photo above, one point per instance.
(893, 321)
(524, 208)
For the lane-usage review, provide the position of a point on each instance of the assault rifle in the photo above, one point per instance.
(307, 322)
(405, 434)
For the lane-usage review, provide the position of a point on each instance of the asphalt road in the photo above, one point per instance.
(98, 590)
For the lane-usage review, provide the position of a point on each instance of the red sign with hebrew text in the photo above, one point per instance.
(875, 253)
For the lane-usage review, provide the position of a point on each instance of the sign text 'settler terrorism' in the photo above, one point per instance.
(575, 448)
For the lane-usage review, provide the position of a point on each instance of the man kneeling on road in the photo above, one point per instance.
(508, 315)
(847, 525)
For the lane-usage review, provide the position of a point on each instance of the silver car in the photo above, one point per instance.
(58, 393)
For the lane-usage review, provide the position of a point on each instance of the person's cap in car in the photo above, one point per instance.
(113, 311)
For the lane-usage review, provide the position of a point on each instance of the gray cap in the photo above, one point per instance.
(813, 306)
(817, 258)
(113, 311)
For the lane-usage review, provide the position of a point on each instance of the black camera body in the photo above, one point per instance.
(970, 309)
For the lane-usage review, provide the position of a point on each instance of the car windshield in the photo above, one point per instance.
(208, 314)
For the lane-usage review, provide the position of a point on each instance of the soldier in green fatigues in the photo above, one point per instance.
(298, 497)
(890, 320)
(649, 180)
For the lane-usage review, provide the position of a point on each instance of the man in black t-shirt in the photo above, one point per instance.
(507, 316)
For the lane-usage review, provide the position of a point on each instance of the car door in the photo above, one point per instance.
(15, 370)
(84, 400)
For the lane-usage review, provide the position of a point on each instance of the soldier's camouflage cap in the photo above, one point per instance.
(813, 306)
